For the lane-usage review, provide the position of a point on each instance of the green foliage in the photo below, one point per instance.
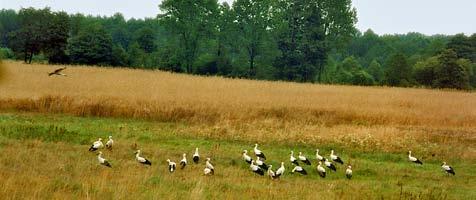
(464, 47)
(92, 45)
(361, 77)
(146, 38)
(252, 18)
(190, 21)
(41, 31)
(398, 71)
(8, 24)
(6, 53)
(119, 56)
(302, 42)
(451, 73)
(424, 71)
(376, 71)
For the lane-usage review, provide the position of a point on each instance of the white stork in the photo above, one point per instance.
(246, 157)
(207, 171)
(319, 157)
(261, 163)
(348, 172)
(109, 143)
(256, 169)
(183, 162)
(321, 170)
(330, 165)
(413, 159)
(293, 159)
(448, 169)
(271, 173)
(303, 159)
(172, 165)
(280, 170)
(142, 160)
(196, 156)
(299, 169)
(103, 161)
(336, 158)
(258, 152)
(210, 166)
(96, 145)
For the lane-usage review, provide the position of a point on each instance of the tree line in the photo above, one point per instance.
(290, 40)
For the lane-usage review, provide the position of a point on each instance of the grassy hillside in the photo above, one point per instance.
(48, 123)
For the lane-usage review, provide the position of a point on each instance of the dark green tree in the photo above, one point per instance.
(398, 72)
(9, 23)
(190, 21)
(30, 39)
(92, 46)
(462, 46)
(119, 56)
(301, 42)
(146, 38)
(253, 19)
(424, 71)
(450, 73)
(57, 34)
(377, 72)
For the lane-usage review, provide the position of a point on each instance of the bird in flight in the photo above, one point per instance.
(58, 72)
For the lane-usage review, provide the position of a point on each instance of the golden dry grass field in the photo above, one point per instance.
(168, 113)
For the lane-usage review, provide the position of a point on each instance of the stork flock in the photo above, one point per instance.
(257, 165)
(172, 166)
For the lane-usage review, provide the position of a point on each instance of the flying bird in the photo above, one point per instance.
(57, 72)
(183, 162)
(413, 159)
(448, 169)
(336, 158)
(196, 156)
(142, 160)
(303, 159)
(103, 161)
(96, 145)
(258, 152)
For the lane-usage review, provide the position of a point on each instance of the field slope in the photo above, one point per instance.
(47, 124)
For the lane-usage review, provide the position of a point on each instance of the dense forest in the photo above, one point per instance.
(289, 40)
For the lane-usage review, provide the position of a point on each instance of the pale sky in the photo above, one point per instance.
(383, 16)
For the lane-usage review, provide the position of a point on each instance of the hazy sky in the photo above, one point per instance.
(383, 16)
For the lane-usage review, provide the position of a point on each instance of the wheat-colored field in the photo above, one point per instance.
(369, 118)
(43, 118)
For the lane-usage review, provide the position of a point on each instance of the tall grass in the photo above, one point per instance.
(367, 118)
